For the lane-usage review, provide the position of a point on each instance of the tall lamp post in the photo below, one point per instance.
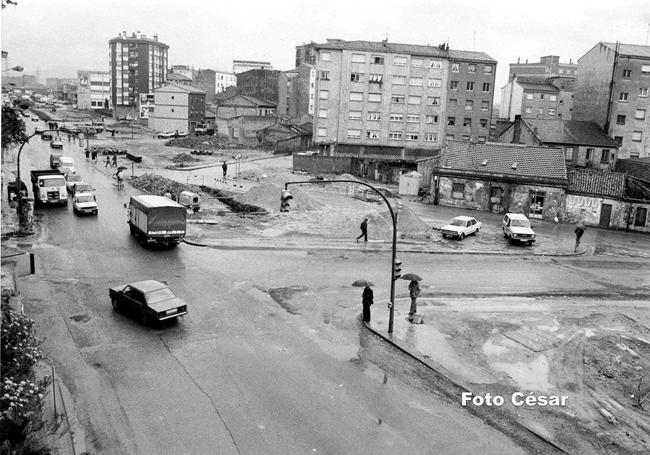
(15, 68)
(391, 314)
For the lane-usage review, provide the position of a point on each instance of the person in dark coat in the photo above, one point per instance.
(367, 301)
(579, 231)
(364, 230)
(414, 293)
(114, 163)
(224, 166)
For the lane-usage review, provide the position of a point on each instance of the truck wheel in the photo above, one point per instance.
(132, 229)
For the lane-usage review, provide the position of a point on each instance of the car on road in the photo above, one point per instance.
(152, 300)
(56, 142)
(80, 187)
(47, 135)
(460, 227)
(84, 204)
(516, 228)
(66, 165)
(181, 134)
(71, 180)
(34, 119)
(165, 135)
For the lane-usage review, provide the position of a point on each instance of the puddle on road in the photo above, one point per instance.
(527, 375)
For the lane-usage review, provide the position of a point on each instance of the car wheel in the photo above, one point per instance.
(444, 236)
(476, 231)
(146, 320)
(462, 235)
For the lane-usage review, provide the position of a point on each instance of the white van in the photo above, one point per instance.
(190, 200)
(66, 165)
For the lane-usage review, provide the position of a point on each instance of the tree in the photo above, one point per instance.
(13, 128)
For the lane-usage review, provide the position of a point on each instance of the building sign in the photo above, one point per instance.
(147, 103)
(83, 78)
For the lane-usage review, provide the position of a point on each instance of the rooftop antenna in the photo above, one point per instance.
(474, 45)
(647, 33)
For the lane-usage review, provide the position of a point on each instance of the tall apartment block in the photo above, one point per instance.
(548, 66)
(612, 90)
(397, 95)
(138, 65)
(94, 89)
(534, 97)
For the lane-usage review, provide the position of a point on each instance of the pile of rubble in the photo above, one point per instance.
(183, 158)
(200, 143)
(267, 196)
(155, 184)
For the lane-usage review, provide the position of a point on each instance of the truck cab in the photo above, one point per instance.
(49, 187)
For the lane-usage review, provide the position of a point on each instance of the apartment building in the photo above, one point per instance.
(301, 90)
(138, 65)
(537, 98)
(177, 107)
(239, 66)
(94, 89)
(396, 95)
(223, 80)
(548, 66)
(612, 90)
(264, 84)
(306, 54)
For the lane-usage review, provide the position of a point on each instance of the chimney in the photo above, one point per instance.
(516, 134)
(518, 60)
(155, 37)
(570, 61)
(526, 61)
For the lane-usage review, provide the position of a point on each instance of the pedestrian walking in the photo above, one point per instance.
(114, 164)
(69, 137)
(224, 167)
(579, 231)
(108, 161)
(87, 153)
(364, 230)
(414, 292)
(367, 301)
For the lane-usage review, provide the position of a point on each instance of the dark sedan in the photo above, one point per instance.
(152, 300)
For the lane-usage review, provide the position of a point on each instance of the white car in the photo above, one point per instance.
(165, 135)
(67, 165)
(181, 133)
(461, 226)
(84, 203)
(516, 227)
(70, 180)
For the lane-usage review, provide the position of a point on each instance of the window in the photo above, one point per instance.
(483, 122)
(396, 117)
(471, 68)
(411, 136)
(451, 121)
(324, 75)
(541, 96)
(376, 78)
(627, 74)
(358, 58)
(467, 121)
(482, 139)
(640, 215)
(356, 96)
(552, 97)
(452, 104)
(637, 136)
(437, 64)
(322, 113)
(619, 139)
(623, 96)
(551, 111)
(529, 96)
(620, 120)
(455, 67)
(453, 85)
(355, 77)
(458, 190)
(433, 101)
(470, 87)
(434, 83)
(374, 115)
(374, 135)
(639, 114)
(486, 86)
(487, 69)
(469, 105)
(568, 154)
(529, 110)
(323, 94)
(395, 136)
(634, 154)
(397, 99)
(430, 137)
(466, 137)
(431, 119)
(322, 132)
(560, 71)
(417, 61)
(374, 97)
(399, 80)
(541, 111)
(643, 92)
(645, 69)
(354, 115)
(589, 155)
(415, 100)
(400, 60)
(377, 59)
(325, 56)
(413, 118)
(604, 156)
(415, 81)
(449, 137)
(354, 134)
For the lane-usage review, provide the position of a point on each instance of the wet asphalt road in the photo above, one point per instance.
(258, 365)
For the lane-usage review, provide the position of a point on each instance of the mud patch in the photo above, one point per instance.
(80, 317)
(283, 295)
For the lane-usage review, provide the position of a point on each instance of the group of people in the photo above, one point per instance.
(111, 162)
(367, 300)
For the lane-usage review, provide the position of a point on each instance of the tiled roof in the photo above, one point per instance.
(538, 87)
(572, 132)
(497, 158)
(633, 50)
(586, 181)
(178, 77)
(184, 87)
(637, 167)
(411, 49)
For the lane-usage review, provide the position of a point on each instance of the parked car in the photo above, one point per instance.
(71, 180)
(55, 160)
(34, 119)
(516, 228)
(81, 187)
(152, 300)
(181, 134)
(165, 135)
(460, 227)
(84, 204)
(56, 142)
(46, 135)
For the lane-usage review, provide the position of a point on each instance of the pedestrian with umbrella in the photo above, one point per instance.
(579, 231)
(367, 297)
(414, 293)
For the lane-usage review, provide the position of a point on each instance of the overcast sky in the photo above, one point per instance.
(59, 37)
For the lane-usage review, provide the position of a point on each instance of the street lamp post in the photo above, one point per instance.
(391, 314)
(15, 68)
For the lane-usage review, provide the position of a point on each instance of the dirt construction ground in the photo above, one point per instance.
(592, 350)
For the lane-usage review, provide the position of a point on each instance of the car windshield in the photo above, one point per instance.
(520, 223)
(86, 198)
(456, 222)
(83, 187)
(159, 295)
(65, 162)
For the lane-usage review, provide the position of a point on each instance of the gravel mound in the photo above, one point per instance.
(267, 196)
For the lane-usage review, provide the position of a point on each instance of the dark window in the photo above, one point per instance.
(640, 216)
(458, 191)
(620, 120)
(451, 121)
(627, 74)
(377, 60)
(619, 139)
(604, 158)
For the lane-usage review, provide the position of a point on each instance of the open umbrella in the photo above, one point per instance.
(362, 283)
(411, 277)
(122, 168)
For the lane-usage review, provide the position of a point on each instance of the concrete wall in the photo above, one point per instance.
(592, 87)
(588, 210)
(322, 164)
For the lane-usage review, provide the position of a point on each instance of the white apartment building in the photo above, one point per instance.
(94, 90)
(223, 79)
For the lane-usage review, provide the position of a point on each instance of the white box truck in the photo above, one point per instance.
(157, 219)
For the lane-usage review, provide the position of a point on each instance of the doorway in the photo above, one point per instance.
(605, 215)
(536, 204)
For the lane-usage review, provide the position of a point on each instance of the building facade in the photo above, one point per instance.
(94, 89)
(223, 80)
(138, 65)
(177, 108)
(612, 90)
(306, 54)
(548, 98)
(267, 85)
(239, 66)
(548, 66)
(301, 90)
